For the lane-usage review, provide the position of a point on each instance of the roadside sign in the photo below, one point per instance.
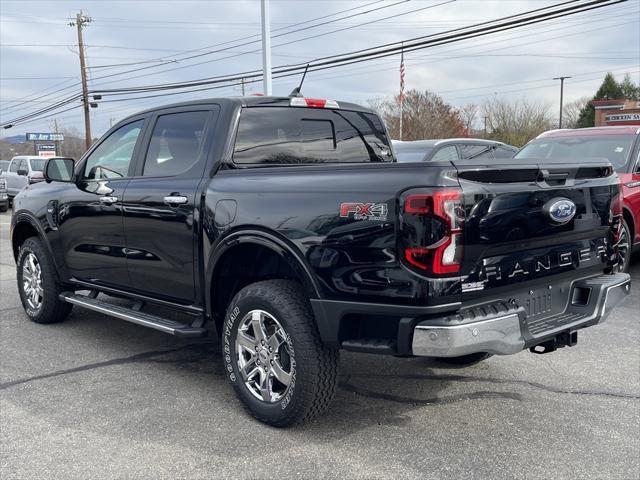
(623, 117)
(45, 137)
(45, 150)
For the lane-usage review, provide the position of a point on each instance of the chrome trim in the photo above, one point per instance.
(175, 200)
(75, 300)
(502, 335)
(108, 200)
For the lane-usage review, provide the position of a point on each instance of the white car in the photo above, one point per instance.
(23, 170)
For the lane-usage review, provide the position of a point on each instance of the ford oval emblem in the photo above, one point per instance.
(560, 210)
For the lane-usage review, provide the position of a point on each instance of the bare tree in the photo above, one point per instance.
(516, 122)
(425, 115)
(571, 112)
(468, 113)
(73, 144)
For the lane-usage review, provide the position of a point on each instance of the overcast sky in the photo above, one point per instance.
(38, 50)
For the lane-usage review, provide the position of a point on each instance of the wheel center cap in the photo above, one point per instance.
(263, 355)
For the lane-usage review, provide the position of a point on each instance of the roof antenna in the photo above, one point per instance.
(296, 91)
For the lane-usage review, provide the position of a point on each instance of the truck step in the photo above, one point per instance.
(370, 345)
(134, 316)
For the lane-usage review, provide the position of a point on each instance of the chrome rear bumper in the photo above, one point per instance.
(506, 331)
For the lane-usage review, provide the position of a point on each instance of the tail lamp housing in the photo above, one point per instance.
(431, 231)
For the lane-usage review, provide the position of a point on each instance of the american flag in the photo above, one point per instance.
(401, 76)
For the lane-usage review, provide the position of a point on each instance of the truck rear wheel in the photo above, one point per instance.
(273, 354)
(38, 284)
(465, 360)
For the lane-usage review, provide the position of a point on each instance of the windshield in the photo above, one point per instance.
(411, 153)
(37, 164)
(615, 148)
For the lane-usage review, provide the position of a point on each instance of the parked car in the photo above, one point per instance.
(621, 147)
(284, 227)
(451, 149)
(4, 197)
(4, 166)
(23, 170)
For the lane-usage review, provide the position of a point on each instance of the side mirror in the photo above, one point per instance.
(59, 170)
(22, 172)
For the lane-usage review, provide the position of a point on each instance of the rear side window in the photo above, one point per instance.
(283, 135)
(446, 154)
(501, 152)
(176, 143)
(37, 164)
(475, 151)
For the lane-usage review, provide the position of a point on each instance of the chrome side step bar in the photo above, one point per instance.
(134, 316)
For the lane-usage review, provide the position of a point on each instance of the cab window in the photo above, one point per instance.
(111, 159)
(285, 135)
(176, 144)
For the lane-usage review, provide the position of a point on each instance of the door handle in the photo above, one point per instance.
(108, 200)
(175, 200)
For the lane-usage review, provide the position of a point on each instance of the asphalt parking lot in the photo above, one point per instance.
(96, 397)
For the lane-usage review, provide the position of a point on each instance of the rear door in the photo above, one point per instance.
(526, 223)
(161, 202)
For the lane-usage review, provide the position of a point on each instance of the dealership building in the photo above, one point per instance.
(617, 112)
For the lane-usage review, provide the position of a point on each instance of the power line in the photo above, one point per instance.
(498, 25)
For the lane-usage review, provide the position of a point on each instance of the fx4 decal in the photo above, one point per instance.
(364, 211)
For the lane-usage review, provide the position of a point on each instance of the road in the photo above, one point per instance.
(96, 397)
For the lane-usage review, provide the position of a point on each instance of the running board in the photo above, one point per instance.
(134, 316)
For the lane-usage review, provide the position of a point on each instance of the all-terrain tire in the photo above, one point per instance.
(313, 366)
(51, 309)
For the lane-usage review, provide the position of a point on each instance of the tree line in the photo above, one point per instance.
(427, 116)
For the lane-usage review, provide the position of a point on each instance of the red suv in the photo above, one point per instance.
(621, 146)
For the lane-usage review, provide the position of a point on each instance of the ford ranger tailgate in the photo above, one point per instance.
(530, 227)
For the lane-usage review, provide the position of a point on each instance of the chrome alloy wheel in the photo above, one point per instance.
(264, 358)
(32, 281)
(623, 249)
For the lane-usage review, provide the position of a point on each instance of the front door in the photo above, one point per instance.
(90, 211)
(161, 203)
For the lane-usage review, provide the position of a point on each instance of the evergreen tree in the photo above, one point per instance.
(609, 90)
(629, 89)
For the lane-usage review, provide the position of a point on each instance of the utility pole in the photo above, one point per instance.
(266, 46)
(242, 85)
(80, 21)
(561, 95)
(485, 127)
(55, 126)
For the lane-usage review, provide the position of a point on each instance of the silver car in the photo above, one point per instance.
(23, 170)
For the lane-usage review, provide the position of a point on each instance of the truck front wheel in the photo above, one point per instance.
(38, 284)
(273, 354)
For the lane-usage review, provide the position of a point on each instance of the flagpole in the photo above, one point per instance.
(401, 105)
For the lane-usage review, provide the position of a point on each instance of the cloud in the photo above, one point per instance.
(519, 63)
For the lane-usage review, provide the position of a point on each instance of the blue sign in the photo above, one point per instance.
(45, 137)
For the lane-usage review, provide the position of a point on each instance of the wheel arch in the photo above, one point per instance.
(631, 222)
(23, 227)
(233, 265)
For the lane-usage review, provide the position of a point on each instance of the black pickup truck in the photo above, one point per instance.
(284, 227)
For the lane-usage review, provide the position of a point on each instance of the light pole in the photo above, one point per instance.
(562, 79)
(266, 46)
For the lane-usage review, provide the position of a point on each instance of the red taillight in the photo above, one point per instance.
(438, 252)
